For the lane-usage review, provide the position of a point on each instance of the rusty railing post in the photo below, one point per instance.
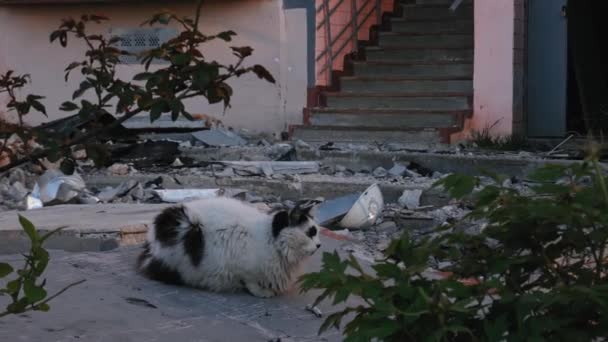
(355, 32)
(330, 60)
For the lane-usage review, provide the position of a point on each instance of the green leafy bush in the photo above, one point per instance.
(536, 272)
(26, 291)
(186, 74)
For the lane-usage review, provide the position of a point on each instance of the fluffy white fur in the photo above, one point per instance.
(240, 249)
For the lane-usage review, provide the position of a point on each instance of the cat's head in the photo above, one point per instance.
(295, 231)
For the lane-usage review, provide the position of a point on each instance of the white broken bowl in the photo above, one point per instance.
(366, 210)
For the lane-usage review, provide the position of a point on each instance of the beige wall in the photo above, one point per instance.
(493, 66)
(278, 37)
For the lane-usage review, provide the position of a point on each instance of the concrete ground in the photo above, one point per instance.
(117, 304)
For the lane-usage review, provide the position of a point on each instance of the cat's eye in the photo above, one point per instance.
(311, 232)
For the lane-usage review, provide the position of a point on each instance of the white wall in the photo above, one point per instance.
(277, 36)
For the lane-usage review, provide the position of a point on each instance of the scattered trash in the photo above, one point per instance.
(331, 211)
(410, 199)
(218, 137)
(366, 210)
(32, 202)
(55, 187)
(315, 310)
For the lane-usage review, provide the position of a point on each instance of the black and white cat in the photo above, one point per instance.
(223, 244)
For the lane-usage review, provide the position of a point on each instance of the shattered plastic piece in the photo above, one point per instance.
(219, 137)
(55, 186)
(182, 195)
(331, 211)
(410, 199)
(366, 210)
(315, 310)
(32, 202)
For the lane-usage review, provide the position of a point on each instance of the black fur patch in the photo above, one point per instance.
(280, 221)
(156, 270)
(167, 224)
(194, 244)
(298, 215)
(311, 232)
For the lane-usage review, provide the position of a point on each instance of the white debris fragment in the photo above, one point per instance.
(32, 202)
(410, 199)
(380, 172)
(397, 170)
(54, 185)
(315, 310)
(119, 169)
(177, 163)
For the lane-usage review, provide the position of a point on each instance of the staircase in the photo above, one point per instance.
(414, 84)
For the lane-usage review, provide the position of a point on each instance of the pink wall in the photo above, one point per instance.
(493, 66)
(340, 18)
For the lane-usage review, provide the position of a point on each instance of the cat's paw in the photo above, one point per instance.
(258, 291)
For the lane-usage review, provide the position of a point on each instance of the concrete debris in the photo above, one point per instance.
(251, 168)
(32, 202)
(218, 137)
(183, 195)
(397, 170)
(119, 169)
(177, 163)
(410, 199)
(17, 191)
(54, 187)
(380, 172)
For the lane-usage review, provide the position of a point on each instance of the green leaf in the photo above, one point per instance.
(156, 110)
(263, 73)
(13, 286)
(39, 107)
(29, 229)
(458, 185)
(68, 106)
(44, 307)
(181, 59)
(243, 51)
(143, 76)
(84, 86)
(226, 35)
(5, 269)
(33, 293)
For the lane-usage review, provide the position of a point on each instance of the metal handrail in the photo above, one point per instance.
(354, 25)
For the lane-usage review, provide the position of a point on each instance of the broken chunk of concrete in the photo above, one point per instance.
(252, 168)
(410, 199)
(380, 172)
(119, 169)
(218, 137)
(17, 191)
(55, 186)
(397, 170)
(182, 195)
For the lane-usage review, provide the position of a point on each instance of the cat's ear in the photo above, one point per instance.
(279, 221)
(299, 215)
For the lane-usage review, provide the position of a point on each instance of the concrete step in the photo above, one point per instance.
(395, 119)
(402, 54)
(416, 40)
(398, 101)
(404, 85)
(365, 135)
(425, 70)
(417, 12)
(401, 25)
